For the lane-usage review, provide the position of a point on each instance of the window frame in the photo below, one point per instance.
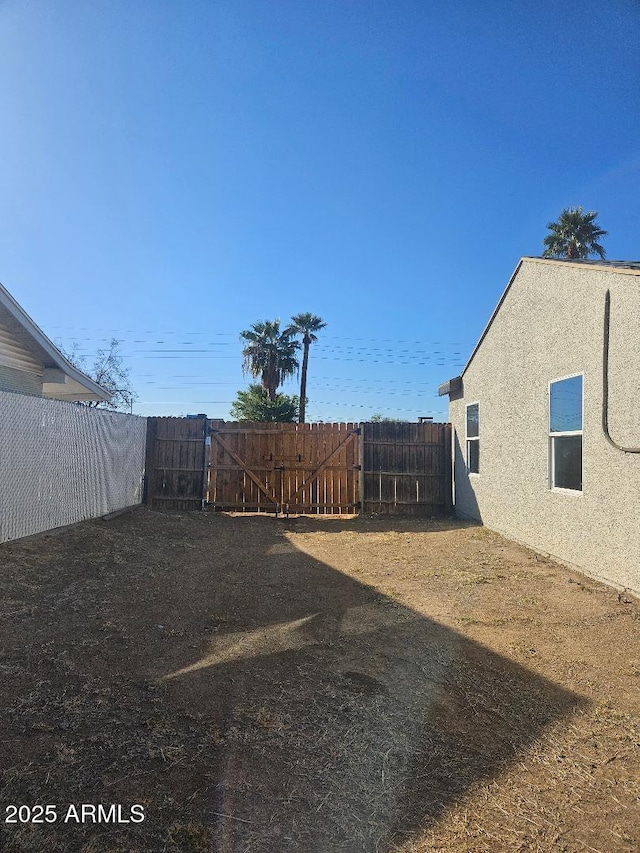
(564, 434)
(468, 439)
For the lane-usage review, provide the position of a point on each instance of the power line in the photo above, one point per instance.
(317, 381)
(347, 353)
(317, 402)
(364, 392)
(157, 332)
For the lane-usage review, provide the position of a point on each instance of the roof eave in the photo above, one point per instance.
(97, 392)
(451, 387)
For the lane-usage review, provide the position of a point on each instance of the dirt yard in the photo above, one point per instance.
(313, 685)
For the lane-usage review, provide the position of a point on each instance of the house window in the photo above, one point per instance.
(565, 433)
(473, 439)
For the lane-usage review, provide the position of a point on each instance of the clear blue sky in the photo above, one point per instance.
(172, 172)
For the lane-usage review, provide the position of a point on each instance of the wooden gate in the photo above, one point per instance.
(308, 468)
(176, 463)
(407, 469)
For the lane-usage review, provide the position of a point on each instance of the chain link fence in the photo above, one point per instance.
(61, 463)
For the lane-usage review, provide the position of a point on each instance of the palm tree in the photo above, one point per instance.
(305, 325)
(269, 354)
(574, 235)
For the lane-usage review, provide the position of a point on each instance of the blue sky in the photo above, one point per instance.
(172, 172)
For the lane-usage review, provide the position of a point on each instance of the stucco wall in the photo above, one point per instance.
(550, 325)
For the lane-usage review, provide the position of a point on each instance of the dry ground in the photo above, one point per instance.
(315, 686)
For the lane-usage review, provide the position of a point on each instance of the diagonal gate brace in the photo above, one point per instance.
(321, 468)
(249, 473)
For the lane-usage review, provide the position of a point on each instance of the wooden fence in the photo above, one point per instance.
(176, 463)
(386, 468)
(407, 469)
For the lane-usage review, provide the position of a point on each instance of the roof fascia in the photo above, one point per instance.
(592, 266)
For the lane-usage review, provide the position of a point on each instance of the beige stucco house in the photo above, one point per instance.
(31, 364)
(546, 416)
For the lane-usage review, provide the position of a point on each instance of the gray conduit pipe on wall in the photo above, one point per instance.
(605, 380)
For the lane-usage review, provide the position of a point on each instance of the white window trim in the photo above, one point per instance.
(467, 439)
(552, 435)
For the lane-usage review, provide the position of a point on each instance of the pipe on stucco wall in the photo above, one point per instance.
(605, 379)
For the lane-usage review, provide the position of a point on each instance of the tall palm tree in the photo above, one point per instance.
(306, 325)
(269, 354)
(574, 235)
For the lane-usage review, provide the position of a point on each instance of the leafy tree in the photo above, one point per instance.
(574, 235)
(254, 404)
(108, 370)
(269, 354)
(380, 419)
(306, 325)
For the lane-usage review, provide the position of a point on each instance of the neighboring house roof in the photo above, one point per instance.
(60, 379)
(626, 267)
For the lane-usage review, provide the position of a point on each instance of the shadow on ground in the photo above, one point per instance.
(252, 697)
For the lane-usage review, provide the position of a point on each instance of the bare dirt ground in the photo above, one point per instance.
(314, 686)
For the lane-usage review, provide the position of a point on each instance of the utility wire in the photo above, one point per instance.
(162, 332)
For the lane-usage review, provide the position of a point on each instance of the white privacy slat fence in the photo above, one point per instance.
(61, 463)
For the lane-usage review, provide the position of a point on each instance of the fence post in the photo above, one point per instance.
(361, 437)
(149, 467)
(206, 447)
(448, 469)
